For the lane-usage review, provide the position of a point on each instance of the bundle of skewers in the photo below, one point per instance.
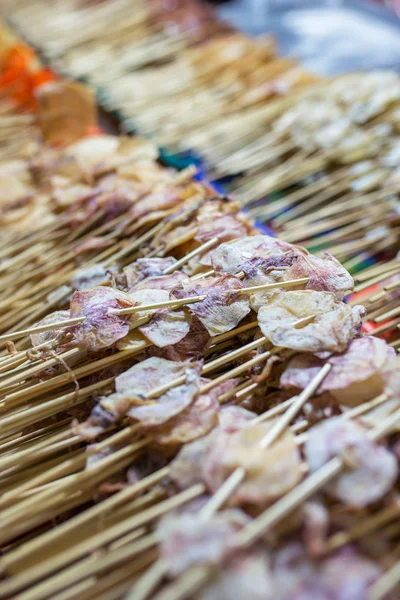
(193, 411)
(168, 70)
(117, 36)
(315, 159)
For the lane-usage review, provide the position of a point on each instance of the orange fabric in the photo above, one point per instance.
(21, 75)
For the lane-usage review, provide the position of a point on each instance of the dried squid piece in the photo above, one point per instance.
(89, 277)
(143, 268)
(47, 336)
(133, 341)
(222, 309)
(147, 296)
(187, 540)
(325, 273)
(333, 327)
(346, 575)
(316, 527)
(161, 282)
(390, 374)
(101, 153)
(131, 386)
(231, 257)
(270, 472)
(193, 345)
(100, 329)
(223, 226)
(371, 469)
(161, 200)
(245, 575)
(267, 269)
(65, 193)
(99, 421)
(192, 423)
(146, 376)
(170, 404)
(355, 376)
(167, 327)
(233, 418)
(185, 469)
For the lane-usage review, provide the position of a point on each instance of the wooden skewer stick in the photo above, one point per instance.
(40, 329)
(157, 305)
(16, 559)
(386, 583)
(388, 315)
(191, 255)
(146, 307)
(271, 286)
(79, 550)
(114, 532)
(20, 396)
(194, 299)
(35, 510)
(362, 527)
(40, 367)
(209, 273)
(42, 410)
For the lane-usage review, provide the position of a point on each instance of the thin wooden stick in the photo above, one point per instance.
(16, 559)
(74, 352)
(157, 305)
(187, 585)
(234, 332)
(363, 527)
(40, 329)
(385, 584)
(235, 372)
(194, 299)
(113, 533)
(388, 315)
(191, 255)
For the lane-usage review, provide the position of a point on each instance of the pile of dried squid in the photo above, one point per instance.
(189, 408)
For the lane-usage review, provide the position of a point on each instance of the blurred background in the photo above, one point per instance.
(331, 36)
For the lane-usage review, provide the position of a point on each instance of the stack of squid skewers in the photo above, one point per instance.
(199, 415)
(189, 408)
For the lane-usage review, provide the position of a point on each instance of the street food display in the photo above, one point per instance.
(192, 407)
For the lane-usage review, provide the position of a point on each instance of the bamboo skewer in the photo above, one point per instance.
(114, 532)
(385, 584)
(194, 299)
(40, 329)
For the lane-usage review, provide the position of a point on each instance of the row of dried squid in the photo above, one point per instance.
(233, 431)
